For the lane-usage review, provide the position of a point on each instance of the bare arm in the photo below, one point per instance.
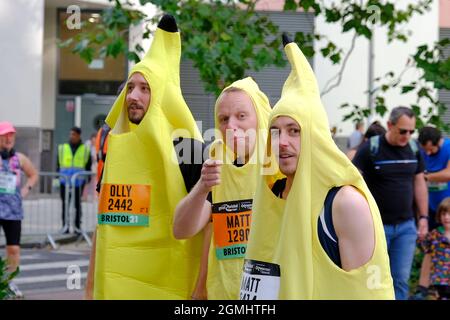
(200, 292)
(194, 211)
(30, 172)
(89, 289)
(421, 198)
(440, 176)
(354, 228)
(424, 279)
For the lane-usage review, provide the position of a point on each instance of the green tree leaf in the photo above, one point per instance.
(406, 89)
(226, 38)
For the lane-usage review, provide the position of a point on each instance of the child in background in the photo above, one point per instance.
(437, 249)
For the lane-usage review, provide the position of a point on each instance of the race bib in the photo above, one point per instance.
(231, 221)
(124, 205)
(260, 281)
(437, 186)
(8, 183)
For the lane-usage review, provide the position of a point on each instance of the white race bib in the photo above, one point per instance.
(260, 281)
(8, 182)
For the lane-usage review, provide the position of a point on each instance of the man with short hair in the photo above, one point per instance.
(73, 157)
(225, 189)
(317, 234)
(134, 254)
(393, 169)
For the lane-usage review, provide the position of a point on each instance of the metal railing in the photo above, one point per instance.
(43, 221)
(88, 206)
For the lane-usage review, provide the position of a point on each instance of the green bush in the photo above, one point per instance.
(5, 278)
(415, 270)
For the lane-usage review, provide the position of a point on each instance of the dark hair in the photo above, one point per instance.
(375, 129)
(429, 134)
(397, 112)
(76, 129)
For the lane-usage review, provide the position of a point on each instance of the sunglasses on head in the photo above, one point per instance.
(405, 131)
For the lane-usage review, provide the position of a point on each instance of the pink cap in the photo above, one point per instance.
(6, 127)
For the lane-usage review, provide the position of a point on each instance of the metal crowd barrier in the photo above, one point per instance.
(42, 208)
(89, 203)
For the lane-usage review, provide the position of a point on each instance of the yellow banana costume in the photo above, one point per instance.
(232, 203)
(285, 259)
(137, 256)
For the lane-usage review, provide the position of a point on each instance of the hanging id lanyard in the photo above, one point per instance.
(8, 179)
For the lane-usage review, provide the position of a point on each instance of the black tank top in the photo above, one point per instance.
(327, 235)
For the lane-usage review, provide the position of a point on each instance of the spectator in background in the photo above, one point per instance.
(375, 129)
(73, 157)
(436, 153)
(437, 253)
(11, 195)
(357, 136)
(392, 167)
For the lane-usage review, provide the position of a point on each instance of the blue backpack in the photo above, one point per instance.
(375, 146)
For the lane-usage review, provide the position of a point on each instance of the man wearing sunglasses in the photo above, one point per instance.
(394, 172)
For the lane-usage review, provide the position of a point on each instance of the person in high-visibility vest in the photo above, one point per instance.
(73, 157)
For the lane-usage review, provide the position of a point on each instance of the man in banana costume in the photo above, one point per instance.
(224, 193)
(318, 233)
(135, 255)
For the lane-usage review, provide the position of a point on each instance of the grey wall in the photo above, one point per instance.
(27, 142)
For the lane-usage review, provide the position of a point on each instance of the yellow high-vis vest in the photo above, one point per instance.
(70, 164)
(137, 256)
(285, 259)
(232, 204)
(68, 160)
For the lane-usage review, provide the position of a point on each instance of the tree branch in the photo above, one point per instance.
(395, 82)
(329, 87)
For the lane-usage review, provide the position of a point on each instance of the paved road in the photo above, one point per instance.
(54, 274)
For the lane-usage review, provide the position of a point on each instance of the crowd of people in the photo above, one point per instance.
(272, 209)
